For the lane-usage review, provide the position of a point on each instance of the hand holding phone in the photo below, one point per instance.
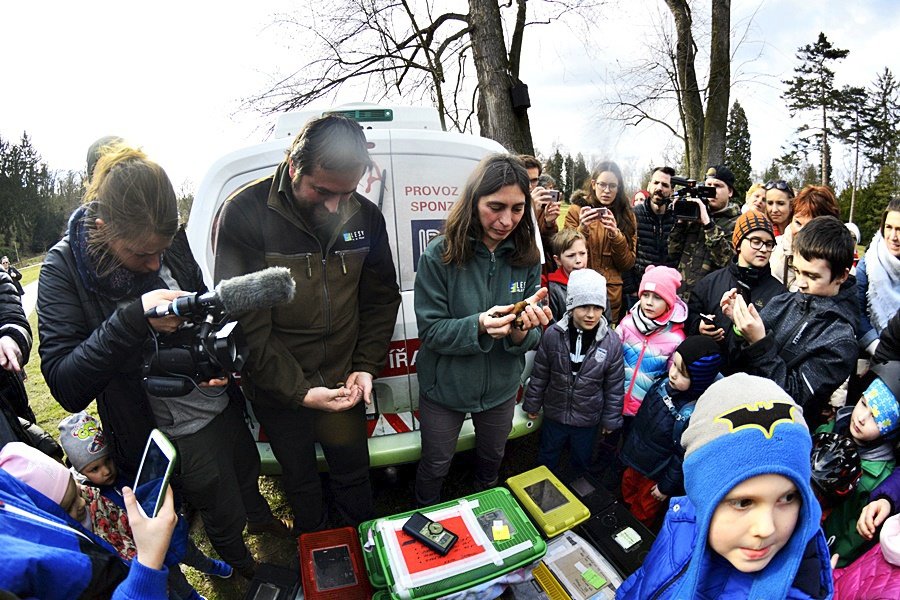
(157, 466)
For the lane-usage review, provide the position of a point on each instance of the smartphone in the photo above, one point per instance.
(430, 533)
(554, 195)
(603, 211)
(708, 319)
(157, 466)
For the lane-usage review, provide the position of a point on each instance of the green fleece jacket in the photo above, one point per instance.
(458, 368)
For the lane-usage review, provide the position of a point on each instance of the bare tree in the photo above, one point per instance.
(665, 88)
(407, 49)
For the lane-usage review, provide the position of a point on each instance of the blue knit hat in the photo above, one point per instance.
(744, 426)
(702, 357)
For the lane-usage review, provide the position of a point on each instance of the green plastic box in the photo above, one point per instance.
(488, 517)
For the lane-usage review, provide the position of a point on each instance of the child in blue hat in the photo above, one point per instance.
(749, 525)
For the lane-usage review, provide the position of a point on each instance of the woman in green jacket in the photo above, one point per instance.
(473, 344)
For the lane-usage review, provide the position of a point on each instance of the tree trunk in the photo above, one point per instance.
(717, 103)
(855, 174)
(826, 151)
(496, 116)
(685, 51)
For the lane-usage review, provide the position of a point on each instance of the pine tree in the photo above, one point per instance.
(812, 89)
(556, 169)
(881, 132)
(850, 126)
(737, 149)
(580, 174)
(570, 184)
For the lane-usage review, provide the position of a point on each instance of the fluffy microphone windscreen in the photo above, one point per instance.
(256, 291)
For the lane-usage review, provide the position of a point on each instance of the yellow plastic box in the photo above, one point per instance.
(552, 506)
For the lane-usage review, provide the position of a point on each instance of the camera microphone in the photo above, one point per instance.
(255, 291)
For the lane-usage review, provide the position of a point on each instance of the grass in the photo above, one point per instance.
(30, 273)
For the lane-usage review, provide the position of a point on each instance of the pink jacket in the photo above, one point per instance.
(646, 357)
(872, 576)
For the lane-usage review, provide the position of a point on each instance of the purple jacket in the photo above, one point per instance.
(592, 396)
(889, 489)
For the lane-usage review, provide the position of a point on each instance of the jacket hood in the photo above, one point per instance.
(558, 276)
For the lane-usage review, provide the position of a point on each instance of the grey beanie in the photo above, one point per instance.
(718, 412)
(82, 438)
(586, 286)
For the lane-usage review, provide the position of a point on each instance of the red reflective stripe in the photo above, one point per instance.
(370, 427)
(396, 422)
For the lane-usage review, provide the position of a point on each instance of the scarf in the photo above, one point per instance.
(581, 340)
(883, 292)
(116, 285)
(643, 323)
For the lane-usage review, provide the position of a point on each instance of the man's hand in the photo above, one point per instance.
(747, 320)
(363, 381)
(657, 495)
(872, 516)
(162, 297)
(545, 207)
(704, 214)
(151, 536)
(10, 354)
(333, 400)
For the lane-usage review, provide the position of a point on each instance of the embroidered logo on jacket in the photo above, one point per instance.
(354, 236)
(517, 287)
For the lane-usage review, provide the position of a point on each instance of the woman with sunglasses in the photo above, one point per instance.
(608, 223)
(779, 195)
(812, 201)
(747, 275)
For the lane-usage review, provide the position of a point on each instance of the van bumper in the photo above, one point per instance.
(402, 448)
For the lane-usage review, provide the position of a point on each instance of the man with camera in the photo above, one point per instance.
(702, 244)
(654, 221)
(312, 360)
(546, 203)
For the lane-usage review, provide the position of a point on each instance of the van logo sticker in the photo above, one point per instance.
(517, 287)
(354, 236)
(423, 231)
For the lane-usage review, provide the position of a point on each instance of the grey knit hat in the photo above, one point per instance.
(82, 438)
(586, 286)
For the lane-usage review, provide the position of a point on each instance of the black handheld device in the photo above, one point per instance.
(432, 534)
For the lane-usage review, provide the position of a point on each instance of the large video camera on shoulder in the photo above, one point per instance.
(682, 208)
(210, 344)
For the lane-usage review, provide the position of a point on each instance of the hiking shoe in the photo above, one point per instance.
(282, 528)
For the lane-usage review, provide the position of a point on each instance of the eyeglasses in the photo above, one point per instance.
(607, 186)
(779, 184)
(758, 244)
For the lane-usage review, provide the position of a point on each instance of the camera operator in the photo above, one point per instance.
(702, 246)
(124, 253)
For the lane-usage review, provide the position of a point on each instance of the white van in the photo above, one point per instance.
(418, 174)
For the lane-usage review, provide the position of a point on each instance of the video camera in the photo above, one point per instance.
(682, 208)
(208, 346)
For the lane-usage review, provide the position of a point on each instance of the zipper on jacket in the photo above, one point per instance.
(344, 253)
(308, 264)
(671, 580)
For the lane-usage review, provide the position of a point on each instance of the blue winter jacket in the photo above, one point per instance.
(47, 555)
(668, 560)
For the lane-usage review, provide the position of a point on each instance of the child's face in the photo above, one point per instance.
(72, 502)
(586, 317)
(678, 377)
(862, 425)
(652, 305)
(101, 472)
(754, 521)
(748, 256)
(573, 258)
(814, 277)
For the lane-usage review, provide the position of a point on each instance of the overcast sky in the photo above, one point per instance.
(171, 75)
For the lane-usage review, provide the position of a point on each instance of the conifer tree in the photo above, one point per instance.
(737, 149)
